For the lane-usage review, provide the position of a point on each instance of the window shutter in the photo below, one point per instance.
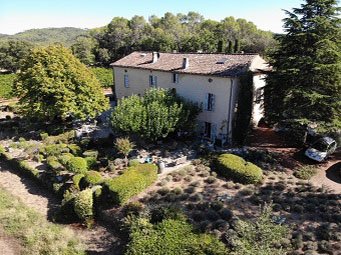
(126, 81)
(155, 81)
(150, 80)
(213, 132)
(206, 102)
(213, 102)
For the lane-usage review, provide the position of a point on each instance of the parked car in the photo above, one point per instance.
(321, 149)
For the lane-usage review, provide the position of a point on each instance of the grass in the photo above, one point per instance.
(33, 231)
(305, 172)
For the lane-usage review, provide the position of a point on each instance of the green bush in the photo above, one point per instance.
(54, 149)
(74, 149)
(131, 182)
(305, 172)
(171, 236)
(92, 178)
(235, 167)
(83, 205)
(65, 158)
(6, 84)
(91, 162)
(76, 180)
(53, 164)
(77, 165)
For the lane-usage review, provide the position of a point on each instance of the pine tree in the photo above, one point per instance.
(305, 81)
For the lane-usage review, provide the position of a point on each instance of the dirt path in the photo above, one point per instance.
(8, 246)
(98, 240)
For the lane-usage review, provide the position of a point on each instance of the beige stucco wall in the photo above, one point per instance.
(192, 87)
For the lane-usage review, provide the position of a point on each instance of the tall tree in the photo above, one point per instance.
(84, 49)
(306, 77)
(12, 53)
(54, 85)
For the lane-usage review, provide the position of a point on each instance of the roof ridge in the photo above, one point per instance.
(199, 53)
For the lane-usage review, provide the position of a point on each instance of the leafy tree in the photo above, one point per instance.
(124, 146)
(155, 115)
(84, 49)
(53, 84)
(305, 82)
(104, 75)
(12, 52)
(6, 85)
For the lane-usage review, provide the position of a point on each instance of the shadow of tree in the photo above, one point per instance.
(333, 173)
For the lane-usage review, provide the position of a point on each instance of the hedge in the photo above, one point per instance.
(134, 180)
(235, 167)
(169, 237)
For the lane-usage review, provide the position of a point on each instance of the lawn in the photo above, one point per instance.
(35, 234)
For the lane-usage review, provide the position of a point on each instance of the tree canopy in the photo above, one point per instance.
(155, 115)
(180, 32)
(12, 52)
(53, 84)
(305, 82)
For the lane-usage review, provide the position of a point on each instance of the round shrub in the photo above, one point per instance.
(235, 167)
(77, 165)
(91, 178)
(53, 164)
(83, 205)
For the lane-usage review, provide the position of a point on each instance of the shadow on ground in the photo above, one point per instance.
(333, 173)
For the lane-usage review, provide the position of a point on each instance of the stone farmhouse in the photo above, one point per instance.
(211, 80)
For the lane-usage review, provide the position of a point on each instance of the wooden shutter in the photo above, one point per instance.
(206, 102)
(212, 102)
(213, 132)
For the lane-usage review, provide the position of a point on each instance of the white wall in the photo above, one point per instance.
(258, 111)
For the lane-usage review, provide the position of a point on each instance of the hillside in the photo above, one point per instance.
(44, 36)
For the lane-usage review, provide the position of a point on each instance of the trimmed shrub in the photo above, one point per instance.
(92, 178)
(53, 164)
(229, 165)
(131, 182)
(54, 149)
(83, 205)
(76, 180)
(74, 149)
(65, 158)
(77, 165)
(91, 162)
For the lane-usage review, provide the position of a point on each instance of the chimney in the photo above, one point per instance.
(185, 63)
(155, 57)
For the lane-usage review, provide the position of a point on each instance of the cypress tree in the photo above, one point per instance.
(305, 81)
(236, 46)
(230, 47)
(220, 46)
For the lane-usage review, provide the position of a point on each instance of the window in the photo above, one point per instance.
(175, 78)
(207, 132)
(210, 102)
(126, 81)
(152, 81)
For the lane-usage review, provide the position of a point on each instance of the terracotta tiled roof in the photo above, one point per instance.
(224, 65)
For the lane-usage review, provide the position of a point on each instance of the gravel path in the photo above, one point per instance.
(98, 240)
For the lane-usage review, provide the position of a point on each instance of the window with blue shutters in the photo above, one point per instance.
(153, 81)
(210, 102)
(126, 81)
(175, 78)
